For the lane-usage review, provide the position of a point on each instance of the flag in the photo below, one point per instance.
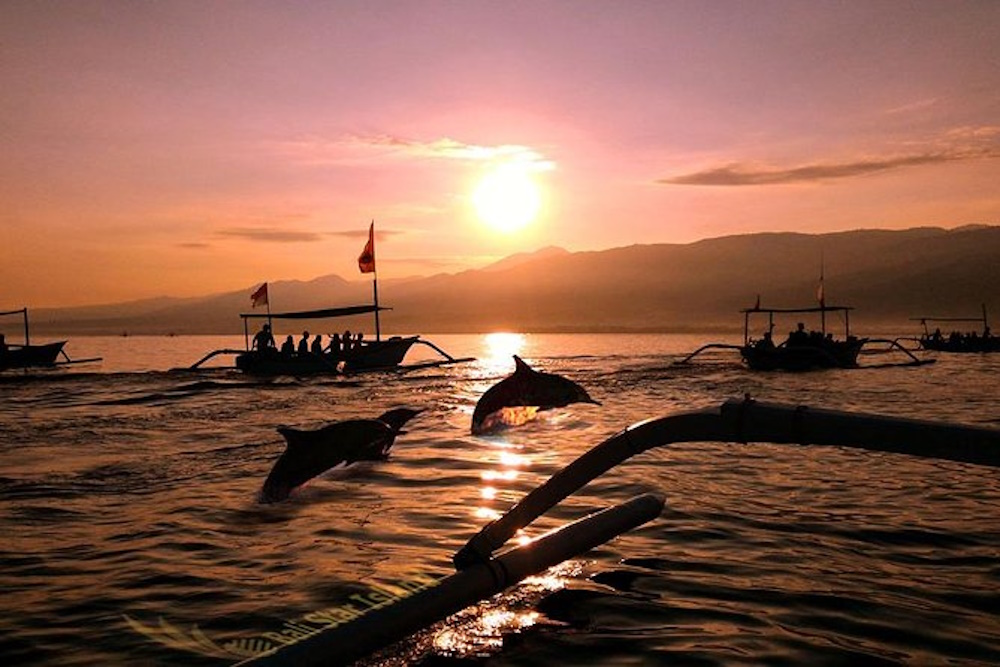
(259, 296)
(366, 261)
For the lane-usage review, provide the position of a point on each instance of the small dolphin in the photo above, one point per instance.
(527, 388)
(310, 453)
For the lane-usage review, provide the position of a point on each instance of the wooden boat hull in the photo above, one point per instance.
(834, 354)
(30, 356)
(374, 355)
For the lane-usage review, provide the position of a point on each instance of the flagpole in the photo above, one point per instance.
(822, 296)
(378, 332)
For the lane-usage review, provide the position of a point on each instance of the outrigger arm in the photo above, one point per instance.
(741, 422)
(480, 574)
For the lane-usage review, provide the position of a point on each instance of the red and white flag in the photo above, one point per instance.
(366, 261)
(259, 296)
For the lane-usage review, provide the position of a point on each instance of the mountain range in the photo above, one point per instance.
(887, 276)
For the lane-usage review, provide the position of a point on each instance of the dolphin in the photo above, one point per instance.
(309, 453)
(526, 388)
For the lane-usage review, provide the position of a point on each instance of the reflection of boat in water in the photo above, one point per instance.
(26, 355)
(958, 341)
(802, 350)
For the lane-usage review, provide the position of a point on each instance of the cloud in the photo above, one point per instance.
(451, 149)
(317, 150)
(380, 234)
(269, 235)
(741, 174)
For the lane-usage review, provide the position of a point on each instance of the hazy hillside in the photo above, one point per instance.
(889, 276)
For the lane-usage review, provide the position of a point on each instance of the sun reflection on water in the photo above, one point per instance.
(503, 469)
(500, 349)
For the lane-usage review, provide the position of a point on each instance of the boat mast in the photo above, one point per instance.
(27, 338)
(821, 297)
(378, 333)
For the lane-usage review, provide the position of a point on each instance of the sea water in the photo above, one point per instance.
(132, 533)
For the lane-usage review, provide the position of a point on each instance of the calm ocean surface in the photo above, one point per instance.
(132, 533)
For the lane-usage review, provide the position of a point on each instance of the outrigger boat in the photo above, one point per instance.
(481, 574)
(27, 355)
(957, 341)
(802, 350)
(378, 354)
(355, 355)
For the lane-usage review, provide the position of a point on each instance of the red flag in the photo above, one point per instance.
(259, 296)
(366, 261)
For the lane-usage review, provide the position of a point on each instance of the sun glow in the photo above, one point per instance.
(508, 198)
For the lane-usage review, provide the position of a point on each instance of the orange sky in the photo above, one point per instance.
(184, 148)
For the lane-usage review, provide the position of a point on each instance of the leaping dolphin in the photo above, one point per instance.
(310, 453)
(526, 388)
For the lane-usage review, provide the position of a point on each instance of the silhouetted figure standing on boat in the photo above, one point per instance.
(346, 340)
(264, 340)
(317, 344)
(304, 343)
(798, 336)
(334, 347)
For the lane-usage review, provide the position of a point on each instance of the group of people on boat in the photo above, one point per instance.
(798, 338)
(339, 345)
(961, 341)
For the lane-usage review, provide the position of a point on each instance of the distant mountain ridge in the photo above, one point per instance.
(888, 276)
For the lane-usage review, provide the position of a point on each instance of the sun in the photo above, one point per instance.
(507, 198)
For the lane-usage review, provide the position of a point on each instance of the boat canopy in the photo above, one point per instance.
(814, 309)
(315, 314)
(19, 311)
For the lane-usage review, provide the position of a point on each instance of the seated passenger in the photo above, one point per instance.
(317, 344)
(288, 347)
(304, 343)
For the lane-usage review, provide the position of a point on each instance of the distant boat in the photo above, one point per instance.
(351, 356)
(379, 354)
(26, 355)
(803, 350)
(958, 341)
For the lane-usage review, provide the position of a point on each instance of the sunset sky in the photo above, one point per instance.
(184, 148)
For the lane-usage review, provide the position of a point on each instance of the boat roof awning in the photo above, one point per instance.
(315, 314)
(814, 309)
(19, 311)
(946, 319)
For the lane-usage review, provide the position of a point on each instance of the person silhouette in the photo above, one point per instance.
(288, 347)
(264, 340)
(304, 343)
(317, 344)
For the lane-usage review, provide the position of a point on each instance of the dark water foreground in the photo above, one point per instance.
(132, 535)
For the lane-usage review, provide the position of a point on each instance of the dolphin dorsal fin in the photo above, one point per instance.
(520, 366)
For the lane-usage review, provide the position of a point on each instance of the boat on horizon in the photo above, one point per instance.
(25, 355)
(263, 357)
(958, 341)
(802, 350)
(373, 355)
